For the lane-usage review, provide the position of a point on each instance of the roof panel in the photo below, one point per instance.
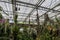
(50, 14)
(40, 12)
(24, 9)
(57, 8)
(50, 3)
(29, 1)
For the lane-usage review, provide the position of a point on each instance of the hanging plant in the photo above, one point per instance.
(0, 13)
(0, 8)
(1, 16)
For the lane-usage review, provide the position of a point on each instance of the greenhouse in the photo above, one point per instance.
(29, 19)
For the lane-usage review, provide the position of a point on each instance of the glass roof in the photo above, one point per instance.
(29, 1)
(28, 8)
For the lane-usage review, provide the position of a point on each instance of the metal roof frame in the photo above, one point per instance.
(34, 6)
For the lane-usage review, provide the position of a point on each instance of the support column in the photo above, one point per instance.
(38, 27)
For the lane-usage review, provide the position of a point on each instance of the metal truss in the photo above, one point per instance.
(34, 7)
(43, 8)
(51, 9)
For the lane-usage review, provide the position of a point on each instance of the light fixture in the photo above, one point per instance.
(17, 8)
